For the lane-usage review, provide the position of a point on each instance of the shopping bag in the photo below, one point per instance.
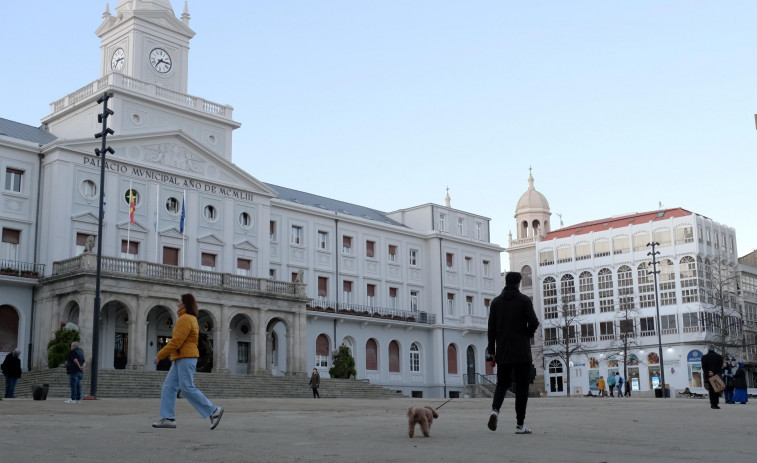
(717, 383)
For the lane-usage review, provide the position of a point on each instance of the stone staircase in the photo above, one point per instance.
(147, 384)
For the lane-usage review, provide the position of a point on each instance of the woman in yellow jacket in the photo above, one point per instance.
(183, 351)
(601, 386)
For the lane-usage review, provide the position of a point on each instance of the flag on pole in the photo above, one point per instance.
(132, 205)
(181, 223)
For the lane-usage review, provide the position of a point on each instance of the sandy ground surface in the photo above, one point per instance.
(349, 430)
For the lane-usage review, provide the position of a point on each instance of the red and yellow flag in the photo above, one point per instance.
(132, 205)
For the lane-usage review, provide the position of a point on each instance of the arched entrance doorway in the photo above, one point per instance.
(72, 313)
(276, 347)
(114, 336)
(470, 355)
(555, 372)
(205, 342)
(240, 360)
(159, 331)
(8, 329)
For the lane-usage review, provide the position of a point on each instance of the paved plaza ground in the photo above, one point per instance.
(349, 430)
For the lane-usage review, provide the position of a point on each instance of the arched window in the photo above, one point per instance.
(606, 290)
(394, 357)
(550, 298)
(555, 367)
(586, 292)
(415, 358)
(536, 226)
(568, 294)
(646, 285)
(452, 359)
(625, 287)
(523, 230)
(667, 281)
(526, 280)
(371, 355)
(322, 351)
(688, 276)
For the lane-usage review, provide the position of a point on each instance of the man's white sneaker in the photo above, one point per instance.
(164, 423)
(215, 417)
(493, 420)
(70, 401)
(522, 430)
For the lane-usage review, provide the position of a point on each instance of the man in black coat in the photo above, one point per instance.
(712, 364)
(12, 370)
(512, 324)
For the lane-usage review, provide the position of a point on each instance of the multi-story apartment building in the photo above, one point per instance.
(748, 304)
(593, 286)
(283, 277)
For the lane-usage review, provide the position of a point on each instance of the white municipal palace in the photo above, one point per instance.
(284, 277)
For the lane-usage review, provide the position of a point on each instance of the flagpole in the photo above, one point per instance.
(128, 230)
(157, 217)
(184, 218)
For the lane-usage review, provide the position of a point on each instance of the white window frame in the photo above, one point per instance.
(14, 180)
(296, 235)
(323, 240)
(413, 257)
(487, 266)
(415, 358)
(461, 226)
(414, 300)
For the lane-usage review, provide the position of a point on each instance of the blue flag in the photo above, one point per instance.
(181, 224)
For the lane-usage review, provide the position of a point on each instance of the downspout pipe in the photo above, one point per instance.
(336, 260)
(30, 351)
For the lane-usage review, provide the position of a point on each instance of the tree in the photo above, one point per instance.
(562, 329)
(721, 319)
(344, 364)
(59, 347)
(626, 314)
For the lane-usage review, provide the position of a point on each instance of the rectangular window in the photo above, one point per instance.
(469, 304)
(487, 270)
(208, 261)
(244, 267)
(347, 291)
(323, 284)
(370, 292)
(646, 326)
(461, 226)
(170, 256)
(620, 245)
(11, 240)
(450, 304)
(487, 303)
(129, 249)
(684, 235)
(393, 298)
(478, 230)
(273, 230)
(414, 296)
(271, 273)
(640, 242)
(323, 240)
(564, 254)
(690, 322)
(606, 331)
(668, 324)
(413, 258)
(13, 179)
(443, 222)
(583, 251)
(662, 237)
(243, 352)
(587, 332)
(550, 336)
(293, 277)
(601, 248)
(468, 265)
(392, 253)
(415, 364)
(450, 260)
(296, 237)
(370, 249)
(546, 257)
(347, 244)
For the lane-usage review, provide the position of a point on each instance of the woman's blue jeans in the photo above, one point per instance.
(181, 376)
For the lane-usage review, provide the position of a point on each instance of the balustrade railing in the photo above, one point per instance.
(113, 266)
(21, 269)
(345, 308)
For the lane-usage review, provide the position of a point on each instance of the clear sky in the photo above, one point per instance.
(617, 106)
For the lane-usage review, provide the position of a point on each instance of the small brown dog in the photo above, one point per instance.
(423, 416)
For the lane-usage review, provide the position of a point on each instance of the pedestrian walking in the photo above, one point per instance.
(601, 386)
(11, 368)
(739, 383)
(75, 369)
(315, 383)
(512, 323)
(611, 383)
(619, 383)
(183, 351)
(712, 364)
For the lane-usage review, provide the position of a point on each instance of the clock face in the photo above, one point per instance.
(117, 62)
(160, 60)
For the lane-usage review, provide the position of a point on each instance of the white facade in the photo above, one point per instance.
(274, 269)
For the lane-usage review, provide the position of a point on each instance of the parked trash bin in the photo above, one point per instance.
(39, 391)
(658, 393)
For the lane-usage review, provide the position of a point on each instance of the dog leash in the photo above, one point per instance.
(440, 406)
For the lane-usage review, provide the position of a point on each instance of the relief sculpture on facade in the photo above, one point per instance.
(173, 155)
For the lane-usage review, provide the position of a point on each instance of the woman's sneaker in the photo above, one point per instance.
(215, 417)
(522, 430)
(164, 423)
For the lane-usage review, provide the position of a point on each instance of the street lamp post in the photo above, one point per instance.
(102, 118)
(654, 254)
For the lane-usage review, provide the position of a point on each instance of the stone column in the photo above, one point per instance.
(261, 343)
(138, 332)
(221, 350)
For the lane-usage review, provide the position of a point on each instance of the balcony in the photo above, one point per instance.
(378, 313)
(15, 268)
(115, 267)
(152, 91)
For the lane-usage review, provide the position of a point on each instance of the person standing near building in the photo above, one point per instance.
(315, 383)
(739, 383)
(611, 383)
(619, 383)
(712, 364)
(601, 386)
(75, 369)
(512, 324)
(12, 370)
(183, 351)
(728, 380)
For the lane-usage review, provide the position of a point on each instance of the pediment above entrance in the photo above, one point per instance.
(245, 246)
(135, 227)
(210, 239)
(172, 232)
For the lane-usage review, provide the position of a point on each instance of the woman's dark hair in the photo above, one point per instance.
(190, 304)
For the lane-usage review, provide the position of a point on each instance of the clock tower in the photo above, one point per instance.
(145, 40)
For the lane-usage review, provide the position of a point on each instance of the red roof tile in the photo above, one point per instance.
(617, 222)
